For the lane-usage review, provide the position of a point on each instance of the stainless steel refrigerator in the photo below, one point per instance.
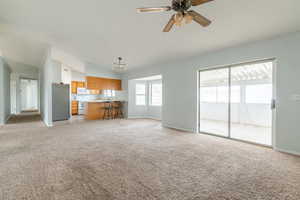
(60, 102)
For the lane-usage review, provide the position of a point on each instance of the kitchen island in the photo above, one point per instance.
(94, 109)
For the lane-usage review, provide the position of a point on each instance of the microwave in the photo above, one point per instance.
(82, 91)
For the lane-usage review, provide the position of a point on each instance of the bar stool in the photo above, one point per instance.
(118, 110)
(108, 111)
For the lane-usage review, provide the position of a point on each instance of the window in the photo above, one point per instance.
(156, 94)
(140, 94)
(260, 94)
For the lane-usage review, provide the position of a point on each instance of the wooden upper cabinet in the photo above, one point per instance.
(95, 83)
(75, 85)
(92, 83)
(116, 84)
(103, 83)
(80, 85)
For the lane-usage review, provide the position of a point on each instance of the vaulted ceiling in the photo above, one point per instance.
(98, 31)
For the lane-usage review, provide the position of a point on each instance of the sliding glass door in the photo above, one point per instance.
(237, 102)
(214, 102)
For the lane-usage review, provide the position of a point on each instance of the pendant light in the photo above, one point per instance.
(119, 66)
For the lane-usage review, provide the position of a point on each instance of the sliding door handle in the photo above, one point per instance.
(273, 104)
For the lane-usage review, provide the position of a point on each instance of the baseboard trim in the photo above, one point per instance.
(178, 128)
(143, 117)
(49, 124)
(7, 119)
(46, 123)
(287, 151)
(137, 117)
(155, 118)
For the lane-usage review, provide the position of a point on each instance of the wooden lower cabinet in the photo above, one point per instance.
(95, 111)
(74, 107)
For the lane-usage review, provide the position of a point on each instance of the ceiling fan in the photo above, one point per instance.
(182, 7)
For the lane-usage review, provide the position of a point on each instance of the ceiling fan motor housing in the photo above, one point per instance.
(181, 5)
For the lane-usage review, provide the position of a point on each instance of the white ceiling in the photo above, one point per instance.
(98, 31)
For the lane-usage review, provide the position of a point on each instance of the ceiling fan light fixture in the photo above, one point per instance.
(188, 18)
(178, 19)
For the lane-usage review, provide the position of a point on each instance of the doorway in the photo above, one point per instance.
(238, 102)
(29, 95)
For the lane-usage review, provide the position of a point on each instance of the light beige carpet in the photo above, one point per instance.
(137, 160)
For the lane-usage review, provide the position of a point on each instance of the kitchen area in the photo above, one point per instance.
(90, 97)
(97, 98)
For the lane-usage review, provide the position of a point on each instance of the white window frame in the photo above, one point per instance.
(150, 84)
(140, 94)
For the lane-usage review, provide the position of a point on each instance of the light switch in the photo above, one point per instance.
(295, 97)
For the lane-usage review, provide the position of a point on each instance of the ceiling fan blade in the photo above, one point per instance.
(154, 9)
(199, 2)
(199, 18)
(170, 24)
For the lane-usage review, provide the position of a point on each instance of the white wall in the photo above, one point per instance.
(77, 76)
(100, 71)
(61, 73)
(46, 79)
(56, 72)
(180, 85)
(67, 59)
(4, 91)
(93, 70)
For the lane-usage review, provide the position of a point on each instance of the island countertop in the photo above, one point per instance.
(94, 109)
